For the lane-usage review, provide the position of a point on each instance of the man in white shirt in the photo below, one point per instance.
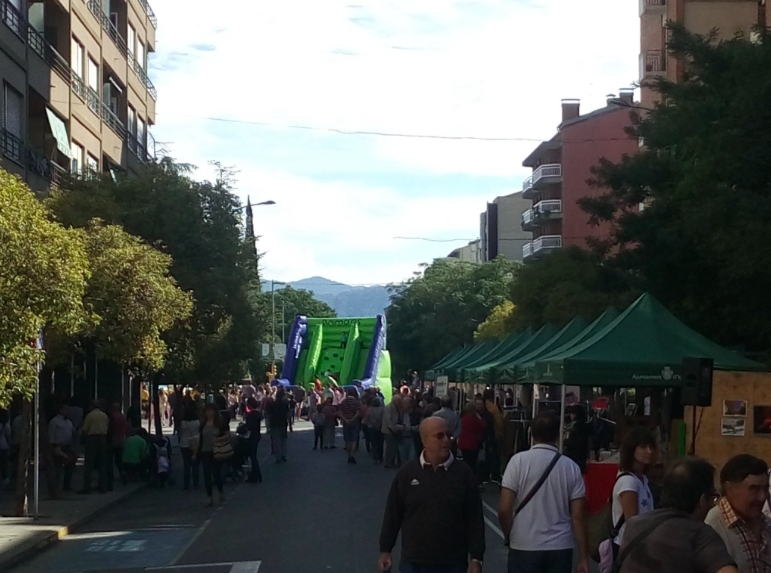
(543, 532)
(61, 434)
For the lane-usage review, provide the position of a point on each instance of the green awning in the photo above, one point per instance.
(59, 131)
(643, 346)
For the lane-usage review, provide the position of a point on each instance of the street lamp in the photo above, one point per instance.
(269, 202)
(273, 319)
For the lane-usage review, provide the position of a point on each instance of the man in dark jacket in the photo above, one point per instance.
(434, 500)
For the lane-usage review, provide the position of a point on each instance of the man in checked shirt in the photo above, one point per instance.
(738, 518)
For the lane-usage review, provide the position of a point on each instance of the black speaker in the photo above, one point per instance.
(697, 382)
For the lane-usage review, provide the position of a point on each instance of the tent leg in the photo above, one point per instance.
(562, 418)
(535, 412)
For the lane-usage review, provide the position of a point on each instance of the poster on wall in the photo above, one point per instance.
(735, 408)
(732, 427)
(762, 420)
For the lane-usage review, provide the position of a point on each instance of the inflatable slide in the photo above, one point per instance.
(350, 350)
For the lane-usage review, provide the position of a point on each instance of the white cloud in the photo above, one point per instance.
(494, 68)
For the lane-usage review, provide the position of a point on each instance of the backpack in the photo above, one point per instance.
(601, 526)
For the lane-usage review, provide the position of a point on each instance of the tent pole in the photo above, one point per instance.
(535, 412)
(562, 418)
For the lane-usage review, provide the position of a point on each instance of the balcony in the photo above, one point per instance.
(10, 145)
(527, 188)
(546, 244)
(527, 251)
(12, 17)
(150, 13)
(112, 120)
(653, 63)
(45, 168)
(653, 6)
(107, 25)
(548, 174)
(542, 211)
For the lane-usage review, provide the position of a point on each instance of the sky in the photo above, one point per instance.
(233, 80)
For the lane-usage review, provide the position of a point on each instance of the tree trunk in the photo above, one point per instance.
(22, 469)
(156, 400)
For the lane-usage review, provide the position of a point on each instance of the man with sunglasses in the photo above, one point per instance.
(675, 539)
(435, 502)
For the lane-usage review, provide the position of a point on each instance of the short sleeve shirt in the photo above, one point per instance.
(644, 499)
(544, 524)
(678, 545)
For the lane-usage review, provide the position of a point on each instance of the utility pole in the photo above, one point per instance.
(273, 320)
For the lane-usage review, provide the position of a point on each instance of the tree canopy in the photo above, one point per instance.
(701, 243)
(198, 224)
(440, 308)
(43, 274)
(294, 302)
(498, 324)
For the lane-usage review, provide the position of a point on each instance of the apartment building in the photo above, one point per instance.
(499, 228)
(470, 253)
(561, 167)
(76, 95)
(698, 16)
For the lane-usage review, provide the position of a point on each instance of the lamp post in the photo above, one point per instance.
(273, 319)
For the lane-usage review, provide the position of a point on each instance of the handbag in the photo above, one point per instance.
(223, 448)
(601, 526)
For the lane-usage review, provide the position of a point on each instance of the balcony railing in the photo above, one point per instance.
(10, 145)
(93, 101)
(11, 17)
(96, 9)
(528, 217)
(646, 5)
(112, 120)
(78, 87)
(150, 13)
(549, 173)
(527, 250)
(527, 188)
(546, 243)
(655, 62)
(39, 164)
(548, 207)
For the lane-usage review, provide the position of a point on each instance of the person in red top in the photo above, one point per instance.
(472, 430)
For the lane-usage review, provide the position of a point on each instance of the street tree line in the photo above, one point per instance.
(700, 244)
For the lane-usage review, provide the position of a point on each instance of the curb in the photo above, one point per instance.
(31, 549)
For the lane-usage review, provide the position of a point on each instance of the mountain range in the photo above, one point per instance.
(347, 300)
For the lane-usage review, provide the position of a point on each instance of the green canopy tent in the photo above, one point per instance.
(511, 341)
(511, 371)
(528, 367)
(453, 370)
(643, 346)
(487, 372)
(450, 357)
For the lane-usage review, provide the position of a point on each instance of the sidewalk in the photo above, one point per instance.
(24, 537)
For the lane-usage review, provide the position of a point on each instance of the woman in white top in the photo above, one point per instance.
(631, 494)
(188, 443)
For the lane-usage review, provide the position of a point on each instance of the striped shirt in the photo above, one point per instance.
(755, 549)
(349, 408)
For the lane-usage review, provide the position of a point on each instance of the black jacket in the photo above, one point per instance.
(439, 513)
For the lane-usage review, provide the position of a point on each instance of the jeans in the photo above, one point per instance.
(64, 463)
(212, 472)
(318, 437)
(391, 450)
(4, 471)
(558, 561)
(190, 468)
(256, 474)
(410, 568)
(116, 457)
(97, 458)
(368, 434)
(493, 461)
(376, 443)
(406, 449)
(278, 442)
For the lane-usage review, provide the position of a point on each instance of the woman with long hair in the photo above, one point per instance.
(631, 494)
(188, 443)
(212, 469)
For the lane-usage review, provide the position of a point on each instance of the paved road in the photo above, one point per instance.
(314, 514)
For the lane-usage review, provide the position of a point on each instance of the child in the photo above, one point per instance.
(319, 422)
(162, 463)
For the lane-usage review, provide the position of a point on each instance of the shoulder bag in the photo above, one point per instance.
(534, 490)
(601, 526)
(223, 447)
(637, 541)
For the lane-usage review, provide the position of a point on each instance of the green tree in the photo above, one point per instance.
(701, 244)
(298, 301)
(568, 283)
(498, 324)
(133, 296)
(43, 274)
(197, 223)
(440, 308)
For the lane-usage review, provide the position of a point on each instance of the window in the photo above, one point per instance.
(132, 129)
(140, 54)
(12, 15)
(92, 164)
(77, 58)
(76, 151)
(132, 40)
(141, 132)
(93, 85)
(13, 105)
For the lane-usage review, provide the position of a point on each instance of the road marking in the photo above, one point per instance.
(131, 545)
(491, 524)
(240, 567)
(189, 544)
